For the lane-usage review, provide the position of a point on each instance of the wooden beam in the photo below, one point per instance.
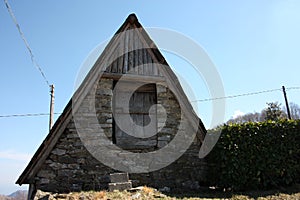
(134, 77)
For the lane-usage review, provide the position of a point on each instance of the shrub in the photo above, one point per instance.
(256, 155)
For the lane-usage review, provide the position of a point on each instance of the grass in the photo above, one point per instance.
(145, 193)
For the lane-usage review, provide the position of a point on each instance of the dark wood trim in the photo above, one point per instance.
(134, 77)
(31, 192)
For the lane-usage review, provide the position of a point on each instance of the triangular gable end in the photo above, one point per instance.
(114, 70)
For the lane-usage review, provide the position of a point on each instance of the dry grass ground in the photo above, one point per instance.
(145, 193)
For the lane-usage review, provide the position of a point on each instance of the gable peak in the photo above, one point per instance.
(132, 18)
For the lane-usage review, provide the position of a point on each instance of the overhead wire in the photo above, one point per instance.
(200, 100)
(27, 115)
(245, 94)
(238, 95)
(292, 88)
(25, 42)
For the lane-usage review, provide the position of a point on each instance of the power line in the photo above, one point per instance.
(25, 42)
(292, 88)
(27, 115)
(238, 95)
(200, 100)
(245, 94)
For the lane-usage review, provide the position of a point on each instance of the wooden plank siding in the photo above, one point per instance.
(137, 60)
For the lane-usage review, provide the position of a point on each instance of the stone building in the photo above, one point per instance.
(88, 141)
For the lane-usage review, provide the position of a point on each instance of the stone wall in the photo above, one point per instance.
(70, 167)
(169, 128)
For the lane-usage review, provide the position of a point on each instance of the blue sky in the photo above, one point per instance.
(253, 44)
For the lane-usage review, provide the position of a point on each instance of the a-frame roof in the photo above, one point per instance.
(99, 67)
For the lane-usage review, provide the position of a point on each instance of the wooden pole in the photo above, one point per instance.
(286, 103)
(51, 107)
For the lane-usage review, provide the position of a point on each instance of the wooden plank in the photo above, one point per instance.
(130, 53)
(121, 103)
(146, 120)
(133, 77)
(113, 60)
(149, 99)
(139, 53)
(114, 68)
(140, 61)
(145, 72)
(155, 69)
(137, 130)
(120, 57)
(136, 51)
(149, 56)
(145, 61)
(119, 131)
(159, 70)
(108, 64)
(138, 120)
(152, 125)
(130, 63)
(151, 67)
(147, 88)
(125, 67)
(129, 86)
(107, 69)
(149, 70)
(136, 102)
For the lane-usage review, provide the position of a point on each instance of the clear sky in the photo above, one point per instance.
(254, 45)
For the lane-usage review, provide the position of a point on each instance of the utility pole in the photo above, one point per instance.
(286, 103)
(51, 107)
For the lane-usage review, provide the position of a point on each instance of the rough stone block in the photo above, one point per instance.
(109, 121)
(165, 138)
(59, 152)
(46, 174)
(119, 186)
(119, 177)
(44, 181)
(104, 92)
(162, 143)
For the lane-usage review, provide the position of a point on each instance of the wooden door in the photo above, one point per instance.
(139, 110)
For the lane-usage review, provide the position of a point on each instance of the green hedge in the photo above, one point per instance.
(256, 155)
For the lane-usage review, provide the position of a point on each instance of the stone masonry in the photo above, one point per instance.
(70, 167)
